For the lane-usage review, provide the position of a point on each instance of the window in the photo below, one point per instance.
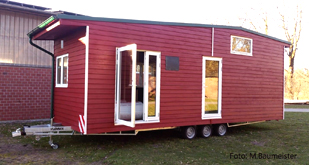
(172, 63)
(241, 45)
(62, 70)
(211, 91)
(137, 92)
(152, 87)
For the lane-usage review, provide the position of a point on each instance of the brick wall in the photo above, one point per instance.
(24, 93)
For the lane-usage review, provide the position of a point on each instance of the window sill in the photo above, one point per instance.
(61, 86)
(211, 117)
(145, 122)
(241, 53)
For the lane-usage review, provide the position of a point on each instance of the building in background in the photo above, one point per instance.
(25, 72)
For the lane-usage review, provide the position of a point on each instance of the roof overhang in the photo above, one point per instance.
(53, 28)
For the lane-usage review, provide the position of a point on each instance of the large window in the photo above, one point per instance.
(137, 94)
(62, 70)
(241, 45)
(211, 91)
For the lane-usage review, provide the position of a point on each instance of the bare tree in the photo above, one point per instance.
(297, 87)
(264, 17)
(255, 24)
(292, 37)
(291, 26)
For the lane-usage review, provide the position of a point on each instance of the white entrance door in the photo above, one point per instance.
(125, 94)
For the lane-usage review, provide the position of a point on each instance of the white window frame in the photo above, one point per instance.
(238, 52)
(119, 121)
(219, 114)
(61, 85)
(146, 119)
(146, 85)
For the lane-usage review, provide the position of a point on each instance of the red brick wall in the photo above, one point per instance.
(24, 93)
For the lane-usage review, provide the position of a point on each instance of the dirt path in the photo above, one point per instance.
(13, 151)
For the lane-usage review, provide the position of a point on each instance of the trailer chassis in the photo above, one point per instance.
(46, 130)
(49, 130)
(188, 132)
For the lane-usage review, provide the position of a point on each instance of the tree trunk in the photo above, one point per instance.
(291, 65)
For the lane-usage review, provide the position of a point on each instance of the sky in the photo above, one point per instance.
(222, 12)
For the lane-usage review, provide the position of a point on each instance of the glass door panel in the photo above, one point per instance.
(152, 86)
(125, 86)
(211, 84)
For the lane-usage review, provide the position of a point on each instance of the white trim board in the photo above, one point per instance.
(86, 77)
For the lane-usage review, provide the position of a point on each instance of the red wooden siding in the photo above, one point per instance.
(252, 86)
(69, 102)
(183, 42)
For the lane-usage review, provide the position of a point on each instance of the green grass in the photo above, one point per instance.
(210, 100)
(151, 108)
(211, 105)
(298, 106)
(289, 136)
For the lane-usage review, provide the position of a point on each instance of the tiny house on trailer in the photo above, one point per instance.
(115, 75)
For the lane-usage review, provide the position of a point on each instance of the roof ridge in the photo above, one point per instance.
(81, 17)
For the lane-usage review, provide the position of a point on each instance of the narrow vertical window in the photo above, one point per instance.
(59, 65)
(211, 86)
(65, 70)
(211, 91)
(152, 86)
(62, 64)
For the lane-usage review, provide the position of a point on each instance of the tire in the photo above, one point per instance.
(205, 131)
(55, 146)
(220, 129)
(188, 132)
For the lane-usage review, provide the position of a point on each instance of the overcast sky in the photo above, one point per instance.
(194, 11)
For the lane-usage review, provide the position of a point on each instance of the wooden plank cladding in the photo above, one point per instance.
(69, 102)
(252, 86)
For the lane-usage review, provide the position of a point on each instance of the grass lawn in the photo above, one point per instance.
(151, 108)
(211, 105)
(289, 136)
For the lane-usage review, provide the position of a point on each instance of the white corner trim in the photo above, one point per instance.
(284, 54)
(86, 77)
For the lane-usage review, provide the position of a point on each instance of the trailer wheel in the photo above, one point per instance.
(188, 132)
(205, 131)
(55, 146)
(220, 129)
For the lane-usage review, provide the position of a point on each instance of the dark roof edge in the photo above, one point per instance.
(88, 18)
(33, 8)
(26, 8)
(8, 2)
